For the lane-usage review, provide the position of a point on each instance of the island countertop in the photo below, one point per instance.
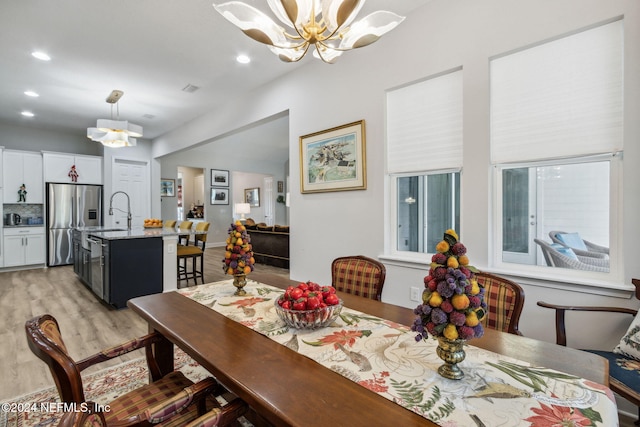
(108, 233)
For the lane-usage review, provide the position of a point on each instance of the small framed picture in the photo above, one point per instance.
(219, 178)
(219, 196)
(280, 186)
(167, 187)
(252, 196)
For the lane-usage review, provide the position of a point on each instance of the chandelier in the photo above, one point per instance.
(327, 24)
(115, 133)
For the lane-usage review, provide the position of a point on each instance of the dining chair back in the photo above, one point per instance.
(624, 372)
(194, 253)
(504, 299)
(358, 275)
(173, 396)
(170, 223)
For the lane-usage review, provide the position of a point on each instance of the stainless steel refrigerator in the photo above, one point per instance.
(69, 206)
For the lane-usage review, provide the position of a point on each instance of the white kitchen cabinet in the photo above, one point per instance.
(58, 165)
(22, 167)
(1, 166)
(24, 246)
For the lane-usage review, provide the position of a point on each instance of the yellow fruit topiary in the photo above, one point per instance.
(442, 247)
(460, 302)
(472, 319)
(435, 300)
(452, 262)
(475, 288)
(452, 232)
(450, 332)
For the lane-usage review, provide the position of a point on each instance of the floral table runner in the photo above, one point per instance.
(384, 357)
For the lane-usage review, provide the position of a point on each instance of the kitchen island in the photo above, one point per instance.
(118, 264)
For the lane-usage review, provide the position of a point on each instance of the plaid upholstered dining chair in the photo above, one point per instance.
(358, 275)
(505, 300)
(169, 400)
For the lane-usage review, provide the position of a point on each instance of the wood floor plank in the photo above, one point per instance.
(87, 324)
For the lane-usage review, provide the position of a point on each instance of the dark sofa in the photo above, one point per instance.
(270, 244)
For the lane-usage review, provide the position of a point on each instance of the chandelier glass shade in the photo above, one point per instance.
(328, 25)
(115, 133)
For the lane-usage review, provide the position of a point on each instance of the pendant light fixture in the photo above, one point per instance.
(115, 133)
(328, 25)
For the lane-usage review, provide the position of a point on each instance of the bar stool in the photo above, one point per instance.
(194, 252)
(170, 223)
(184, 226)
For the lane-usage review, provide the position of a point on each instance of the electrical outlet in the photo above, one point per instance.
(415, 294)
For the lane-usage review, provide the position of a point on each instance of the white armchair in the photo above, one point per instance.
(578, 244)
(565, 258)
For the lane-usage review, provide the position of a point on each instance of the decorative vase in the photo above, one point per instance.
(452, 352)
(239, 281)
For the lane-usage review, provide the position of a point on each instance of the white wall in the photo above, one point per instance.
(440, 36)
(34, 139)
(220, 216)
(242, 181)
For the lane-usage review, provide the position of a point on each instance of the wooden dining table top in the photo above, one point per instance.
(289, 389)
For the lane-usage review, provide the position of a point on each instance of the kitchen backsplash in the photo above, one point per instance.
(25, 210)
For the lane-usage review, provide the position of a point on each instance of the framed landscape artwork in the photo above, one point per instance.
(334, 159)
(219, 196)
(167, 187)
(219, 178)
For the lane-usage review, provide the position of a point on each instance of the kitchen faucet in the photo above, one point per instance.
(111, 208)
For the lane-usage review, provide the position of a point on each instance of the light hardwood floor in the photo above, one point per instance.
(87, 325)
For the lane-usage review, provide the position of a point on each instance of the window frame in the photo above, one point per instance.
(392, 251)
(613, 278)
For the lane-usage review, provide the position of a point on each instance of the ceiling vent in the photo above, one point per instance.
(190, 88)
(149, 116)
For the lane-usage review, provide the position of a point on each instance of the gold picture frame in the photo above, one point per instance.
(334, 159)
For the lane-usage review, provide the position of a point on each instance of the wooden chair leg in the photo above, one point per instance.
(201, 271)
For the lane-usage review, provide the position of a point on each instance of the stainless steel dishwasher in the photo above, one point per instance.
(97, 267)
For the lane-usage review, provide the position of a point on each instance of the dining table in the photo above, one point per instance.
(284, 387)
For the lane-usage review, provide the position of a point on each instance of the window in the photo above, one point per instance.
(541, 199)
(556, 144)
(424, 158)
(439, 195)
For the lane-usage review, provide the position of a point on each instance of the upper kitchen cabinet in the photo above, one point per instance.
(22, 168)
(69, 168)
(1, 166)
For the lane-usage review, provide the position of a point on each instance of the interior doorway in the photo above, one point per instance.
(191, 201)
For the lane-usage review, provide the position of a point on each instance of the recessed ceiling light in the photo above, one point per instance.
(243, 59)
(27, 114)
(31, 93)
(41, 55)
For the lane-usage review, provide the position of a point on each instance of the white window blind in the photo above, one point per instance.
(424, 125)
(560, 99)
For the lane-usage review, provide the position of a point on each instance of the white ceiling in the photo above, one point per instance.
(150, 49)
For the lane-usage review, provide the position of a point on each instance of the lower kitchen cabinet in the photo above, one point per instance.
(81, 261)
(122, 269)
(24, 246)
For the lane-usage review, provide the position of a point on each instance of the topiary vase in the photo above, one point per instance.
(240, 281)
(452, 352)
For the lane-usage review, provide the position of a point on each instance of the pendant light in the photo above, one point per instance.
(115, 133)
